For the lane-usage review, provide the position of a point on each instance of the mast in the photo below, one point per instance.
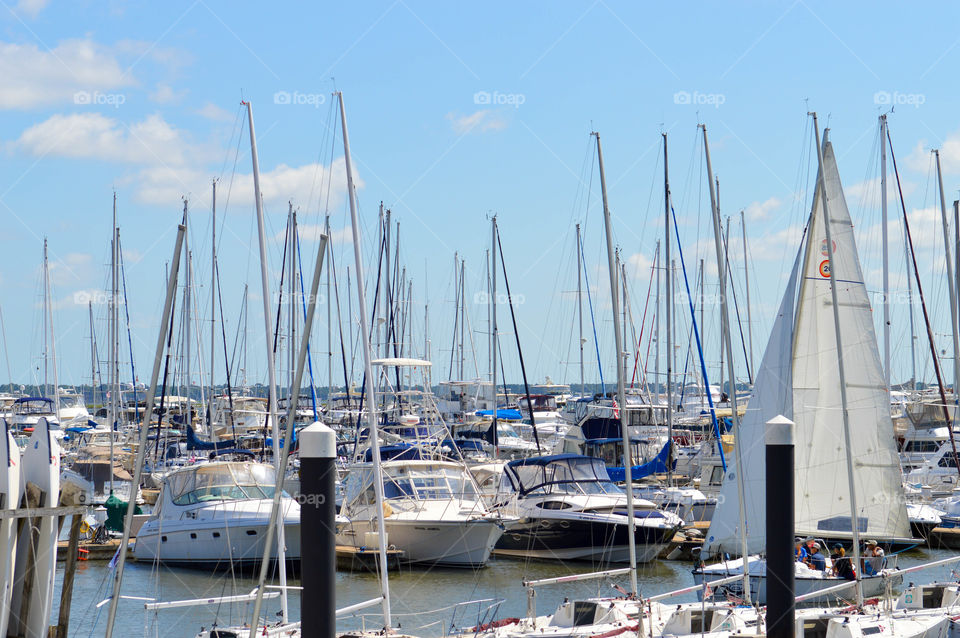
(271, 376)
(213, 305)
(668, 305)
(580, 310)
(187, 308)
(93, 356)
(884, 249)
(840, 363)
(746, 284)
(656, 331)
(728, 345)
(330, 321)
(622, 273)
(493, 328)
(621, 388)
(368, 367)
(53, 339)
(913, 330)
(950, 286)
(115, 338)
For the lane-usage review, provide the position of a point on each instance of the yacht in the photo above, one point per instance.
(216, 514)
(567, 508)
(432, 512)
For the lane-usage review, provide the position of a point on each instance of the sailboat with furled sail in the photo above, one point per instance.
(832, 386)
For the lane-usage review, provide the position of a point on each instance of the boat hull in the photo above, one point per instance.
(459, 543)
(589, 540)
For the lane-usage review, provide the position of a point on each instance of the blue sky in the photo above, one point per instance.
(455, 111)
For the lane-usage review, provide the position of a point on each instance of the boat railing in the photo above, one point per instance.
(478, 612)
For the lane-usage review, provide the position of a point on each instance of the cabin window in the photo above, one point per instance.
(193, 535)
(583, 613)
(163, 539)
(216, 534)
(947, 460)
(251, 532)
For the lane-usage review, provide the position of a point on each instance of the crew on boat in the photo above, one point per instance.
(842, 566)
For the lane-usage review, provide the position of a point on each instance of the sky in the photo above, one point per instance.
(456, 112)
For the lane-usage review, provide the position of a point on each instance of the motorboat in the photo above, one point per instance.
(216, 514)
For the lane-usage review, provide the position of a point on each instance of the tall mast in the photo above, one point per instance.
(746, 284)
(493, 327)
(53, 339)
(368, 367)
(93, 357)
(950, 286)
(913, 330)
(271, 372)
(326, 226)
(621, 387)
(213, 304)
(668, 305)
(884, 249)
(656, 331)
(115, 338)
(728, 345)
(187, 338)
(580, 311)
(840, 363)
(622, 273)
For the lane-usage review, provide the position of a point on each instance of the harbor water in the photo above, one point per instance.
(425, 602)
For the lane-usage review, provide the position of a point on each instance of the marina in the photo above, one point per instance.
(340, 356)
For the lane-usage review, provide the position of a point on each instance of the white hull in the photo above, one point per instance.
(41, 466)
(211, 543)
(455, 543)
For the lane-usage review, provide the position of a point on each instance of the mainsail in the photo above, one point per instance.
(809, 367)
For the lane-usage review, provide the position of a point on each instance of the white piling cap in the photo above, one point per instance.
(779, 431)
(317, 441)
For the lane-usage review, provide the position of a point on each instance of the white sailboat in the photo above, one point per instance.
(41, 467)
(9, 500)
(799, 377)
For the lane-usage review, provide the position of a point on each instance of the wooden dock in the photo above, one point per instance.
(93, 551)
(366, 559)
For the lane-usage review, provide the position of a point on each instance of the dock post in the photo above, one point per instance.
(780, 528)
(318, 560)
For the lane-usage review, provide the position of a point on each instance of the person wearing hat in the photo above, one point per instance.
(874, 558)
(842, 566)
(816, 560)
(800, 550)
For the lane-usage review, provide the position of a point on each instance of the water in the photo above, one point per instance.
(422, 599)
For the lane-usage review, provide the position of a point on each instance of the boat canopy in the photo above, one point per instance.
(502, 413)
(563, 473)
(228, 481)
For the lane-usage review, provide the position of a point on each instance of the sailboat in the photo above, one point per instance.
(799, 377)
(41, 467)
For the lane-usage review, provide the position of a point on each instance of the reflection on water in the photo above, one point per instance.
(422, 600)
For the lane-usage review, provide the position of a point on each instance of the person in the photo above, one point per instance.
(800, 551)
(816, 560)
(842, 566)
(875, 558)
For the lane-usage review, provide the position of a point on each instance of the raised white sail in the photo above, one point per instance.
(801, 380)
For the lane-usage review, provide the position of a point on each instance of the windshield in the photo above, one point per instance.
(576, 475)
(221, 482)
(428, 484)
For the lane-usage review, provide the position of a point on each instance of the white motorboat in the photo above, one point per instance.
(432, 511)
(214, 515)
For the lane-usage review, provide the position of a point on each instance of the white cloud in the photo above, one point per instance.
(92, 135)
(759, 211)
(480, 121)
(166, 94)
(300, 184)
(32, 77)
(870, 190)
(921, 157)
(213, 112)
(31, 8)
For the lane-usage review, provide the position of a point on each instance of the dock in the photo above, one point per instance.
(366, 559)
(93, 551)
